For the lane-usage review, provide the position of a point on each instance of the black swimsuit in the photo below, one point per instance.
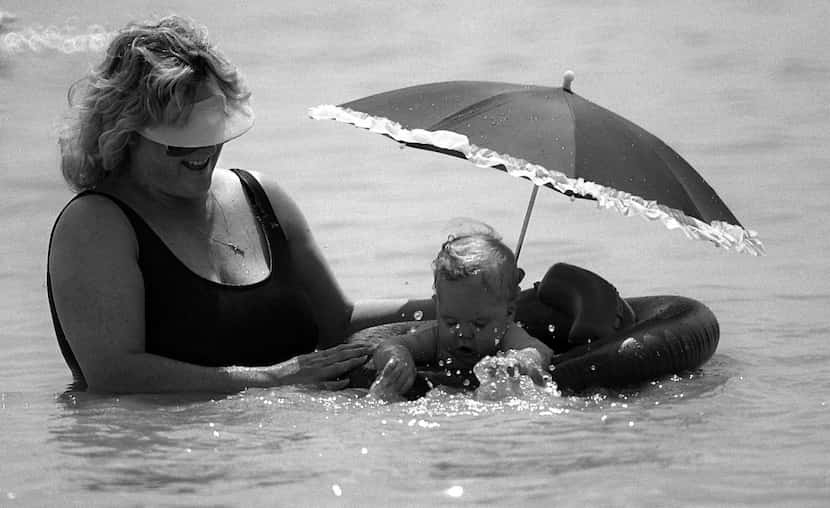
(195, 320)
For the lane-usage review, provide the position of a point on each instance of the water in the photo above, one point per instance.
(738, 88)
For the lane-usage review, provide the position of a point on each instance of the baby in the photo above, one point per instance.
(476, 284)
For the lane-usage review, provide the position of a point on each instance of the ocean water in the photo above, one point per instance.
(739, 88)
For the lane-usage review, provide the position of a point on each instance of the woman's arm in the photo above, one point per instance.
(337, 316)
(98, 293)
(368, 313)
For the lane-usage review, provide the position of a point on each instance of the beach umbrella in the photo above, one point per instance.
(557, 139)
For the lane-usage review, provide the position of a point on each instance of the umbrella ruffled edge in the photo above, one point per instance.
(722, 234)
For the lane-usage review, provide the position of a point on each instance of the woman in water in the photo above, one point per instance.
(166, 273)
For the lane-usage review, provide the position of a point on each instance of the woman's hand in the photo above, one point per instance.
(323, 367)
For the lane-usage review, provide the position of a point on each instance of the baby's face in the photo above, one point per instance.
(471, 321)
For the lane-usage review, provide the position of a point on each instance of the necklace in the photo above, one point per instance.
(239, 251)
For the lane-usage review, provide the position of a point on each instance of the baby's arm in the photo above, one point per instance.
(395, 361)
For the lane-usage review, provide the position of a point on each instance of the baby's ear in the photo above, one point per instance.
(519, 275)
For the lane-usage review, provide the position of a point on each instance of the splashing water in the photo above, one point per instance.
(65, 39)
(501, 377)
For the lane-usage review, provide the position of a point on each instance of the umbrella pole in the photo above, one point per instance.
(526, 221)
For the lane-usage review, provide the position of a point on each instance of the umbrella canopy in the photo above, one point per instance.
(557, 139)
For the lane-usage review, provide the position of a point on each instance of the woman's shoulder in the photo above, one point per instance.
(288, 213)
(92, 219)
(275, 192)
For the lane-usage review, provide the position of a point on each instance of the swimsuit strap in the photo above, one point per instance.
(259, 200)
(264, 214)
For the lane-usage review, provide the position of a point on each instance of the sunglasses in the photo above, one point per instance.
(181, 151)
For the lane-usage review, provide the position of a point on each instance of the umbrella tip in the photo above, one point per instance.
(567, 79)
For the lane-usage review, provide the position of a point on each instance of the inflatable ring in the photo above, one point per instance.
(601, 339)
(672, 334)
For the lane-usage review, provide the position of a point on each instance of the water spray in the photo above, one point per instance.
(37, 38)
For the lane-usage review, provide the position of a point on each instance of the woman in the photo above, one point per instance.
(167, 274)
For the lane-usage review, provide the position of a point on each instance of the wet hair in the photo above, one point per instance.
(480, 252)
(147, 67)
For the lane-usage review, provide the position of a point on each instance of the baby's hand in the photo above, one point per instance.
(499, 378)
(497, 368)
(529, 363)
(394, 380)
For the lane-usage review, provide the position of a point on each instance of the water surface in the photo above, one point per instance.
(738, 88)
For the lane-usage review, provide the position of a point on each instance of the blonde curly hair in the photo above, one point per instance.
(147, 66)
(479, 252)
